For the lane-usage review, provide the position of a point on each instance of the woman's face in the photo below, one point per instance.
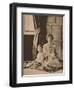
(49, 40)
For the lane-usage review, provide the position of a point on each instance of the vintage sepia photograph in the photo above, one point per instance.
(42, 44)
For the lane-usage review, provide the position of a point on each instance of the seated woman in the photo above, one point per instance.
(51, 61)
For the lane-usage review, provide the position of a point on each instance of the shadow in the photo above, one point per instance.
(40, 22)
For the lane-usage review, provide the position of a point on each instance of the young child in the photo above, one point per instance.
(39, 60)
(37, 63)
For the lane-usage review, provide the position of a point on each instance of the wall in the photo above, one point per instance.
(4, 44)
(28, 25)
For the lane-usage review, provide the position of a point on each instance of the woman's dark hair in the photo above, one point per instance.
(50, 35)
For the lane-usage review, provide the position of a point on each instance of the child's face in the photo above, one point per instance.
(39, 48)
(37, 31)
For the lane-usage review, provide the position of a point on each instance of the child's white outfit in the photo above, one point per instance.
(40, 57)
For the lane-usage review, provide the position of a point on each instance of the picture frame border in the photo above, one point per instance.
(13, 44)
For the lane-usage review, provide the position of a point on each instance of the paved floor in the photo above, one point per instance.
(35, 72)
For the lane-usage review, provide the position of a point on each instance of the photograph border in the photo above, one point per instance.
(13, 44)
